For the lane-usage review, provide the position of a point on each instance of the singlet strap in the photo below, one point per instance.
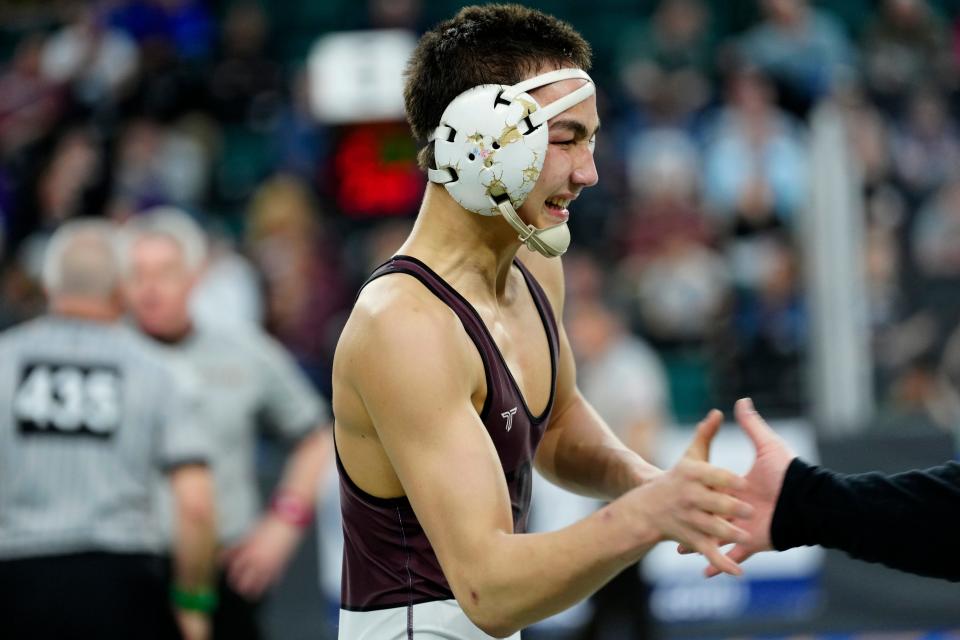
(471, 321)
(546, 314)
(498, 376)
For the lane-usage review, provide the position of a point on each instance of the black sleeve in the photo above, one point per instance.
(909, 521)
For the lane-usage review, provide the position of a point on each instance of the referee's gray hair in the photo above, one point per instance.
(171, 223)
(81, 260)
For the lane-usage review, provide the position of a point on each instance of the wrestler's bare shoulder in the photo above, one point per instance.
(398, 313)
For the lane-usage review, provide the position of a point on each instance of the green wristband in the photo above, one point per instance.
(203, 600)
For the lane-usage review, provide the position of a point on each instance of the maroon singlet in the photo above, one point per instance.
(387, 560)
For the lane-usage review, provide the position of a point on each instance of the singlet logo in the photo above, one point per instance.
(508, 415)
(56, 399)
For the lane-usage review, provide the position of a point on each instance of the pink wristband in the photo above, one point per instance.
(291, 509)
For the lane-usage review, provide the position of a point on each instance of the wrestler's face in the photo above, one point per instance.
(569, 166)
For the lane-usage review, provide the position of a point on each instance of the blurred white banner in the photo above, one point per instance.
(357, 76)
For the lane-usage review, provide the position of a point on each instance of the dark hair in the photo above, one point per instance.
(490, 44)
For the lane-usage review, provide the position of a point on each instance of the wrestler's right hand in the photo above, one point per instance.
(690, 503)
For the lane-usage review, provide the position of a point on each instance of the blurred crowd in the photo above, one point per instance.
(688, 246)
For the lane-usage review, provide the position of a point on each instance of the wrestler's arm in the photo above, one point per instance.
(579, 451)
(414, 370)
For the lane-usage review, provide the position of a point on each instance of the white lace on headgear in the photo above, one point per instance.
(490, 147)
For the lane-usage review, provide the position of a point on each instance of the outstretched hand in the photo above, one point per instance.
(692, 502)
(763, 483)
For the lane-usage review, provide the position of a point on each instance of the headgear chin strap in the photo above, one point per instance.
(551, 241)
(490, 147)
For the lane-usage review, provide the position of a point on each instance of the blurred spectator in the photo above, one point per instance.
(922, 394)
(948, 384)
(246, 85)
(297, 255)
(755, 173)
(666, 64)
(674, 281)
(20, 295)
(885, 206)
(95, 59)
(158, 164)
(300, 143)
(4, 216)
(926, 143)
(70, 181)
(903, 45)
(142, 20)
(185, 26)
(170, 82)
(898, 347)
(695, 283)
(768, 330)
(882, 264)
(395, 14)
(191, 27)
(936, 233)
(803, 49)
(74, 167)
(30, 103)
(678, 292)
(380, 244)
(246, 88)
(871, 144)
(228, 292)
(869, 133)
(619, 374)
(662, 167)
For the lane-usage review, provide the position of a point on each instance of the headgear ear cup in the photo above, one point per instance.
(490, 147)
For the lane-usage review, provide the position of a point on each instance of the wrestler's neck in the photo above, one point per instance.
(463, 247)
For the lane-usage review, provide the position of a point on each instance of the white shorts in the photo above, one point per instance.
(430, 620)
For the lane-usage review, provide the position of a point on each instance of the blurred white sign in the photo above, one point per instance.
(357, 76)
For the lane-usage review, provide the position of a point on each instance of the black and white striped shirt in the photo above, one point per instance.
(89, 412)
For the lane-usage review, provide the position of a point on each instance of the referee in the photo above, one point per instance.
(250, 384)
(91, 413)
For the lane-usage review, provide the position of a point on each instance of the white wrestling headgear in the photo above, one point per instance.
(490, 146)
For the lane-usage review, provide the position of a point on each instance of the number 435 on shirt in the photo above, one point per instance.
(68, 399)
